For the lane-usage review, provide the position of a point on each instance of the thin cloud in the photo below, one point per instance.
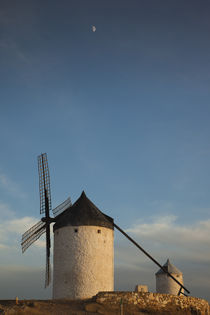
(31, 279)
(19, 226)
(40, 243)
(166, 229)
(2, 246)
(11, 187)
(187, 245)
(166, 235)
(6, 211)
(12, 228)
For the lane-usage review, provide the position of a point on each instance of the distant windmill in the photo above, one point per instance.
(34, 233)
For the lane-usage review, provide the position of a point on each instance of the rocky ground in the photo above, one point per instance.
(112, 303)
(86, 307)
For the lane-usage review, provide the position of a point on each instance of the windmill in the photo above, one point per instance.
(43, 226)
(83, 243)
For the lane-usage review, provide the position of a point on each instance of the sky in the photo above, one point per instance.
(123, 113)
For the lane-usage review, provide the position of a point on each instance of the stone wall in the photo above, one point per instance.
(155, 302)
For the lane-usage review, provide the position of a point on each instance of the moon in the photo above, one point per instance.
(93, 28)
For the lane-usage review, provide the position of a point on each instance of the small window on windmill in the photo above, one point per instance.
(99, 231)
(75, 230)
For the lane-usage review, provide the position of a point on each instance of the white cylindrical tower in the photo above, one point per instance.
(83, 251)
(164, 283)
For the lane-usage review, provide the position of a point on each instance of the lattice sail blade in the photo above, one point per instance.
(62, 207)
(47, 272)
(44, 183)
(48, 268)
(33, 234)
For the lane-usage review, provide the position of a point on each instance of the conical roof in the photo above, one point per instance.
(83, 212)
(170, 268)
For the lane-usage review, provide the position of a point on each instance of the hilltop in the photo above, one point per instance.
(110, 303)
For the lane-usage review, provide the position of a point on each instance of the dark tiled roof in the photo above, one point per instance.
(170, 268)
(83, 212)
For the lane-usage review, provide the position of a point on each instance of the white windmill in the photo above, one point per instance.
(83, 261)
(164, 283)
(83, 244)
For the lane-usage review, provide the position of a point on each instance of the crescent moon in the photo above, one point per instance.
(93, 28)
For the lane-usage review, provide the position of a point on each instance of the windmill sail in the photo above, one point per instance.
(48, 268)
(33, 234)
(45, 206)
(62, 207)
(44, 184)
(43, 226)
(47, 272)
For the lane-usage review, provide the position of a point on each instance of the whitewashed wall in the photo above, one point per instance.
(83, 261)
(164, 284)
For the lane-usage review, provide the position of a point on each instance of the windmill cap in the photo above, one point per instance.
(168, 266)
(83, 212)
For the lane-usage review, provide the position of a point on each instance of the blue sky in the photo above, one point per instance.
(123, 113)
